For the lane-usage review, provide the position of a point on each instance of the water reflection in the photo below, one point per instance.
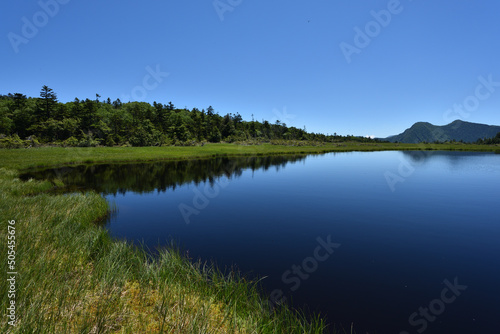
(156, 176)
(397, 247)
(453, 157)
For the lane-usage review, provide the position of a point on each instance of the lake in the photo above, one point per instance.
(394, 242)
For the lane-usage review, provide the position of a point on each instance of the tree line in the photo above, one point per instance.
(490, 141)
(93, 122)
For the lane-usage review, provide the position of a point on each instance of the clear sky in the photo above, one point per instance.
(350, 67)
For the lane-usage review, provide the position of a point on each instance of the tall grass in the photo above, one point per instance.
(51, 156)
(72, 278)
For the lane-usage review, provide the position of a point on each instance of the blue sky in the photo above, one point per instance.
(413, 60)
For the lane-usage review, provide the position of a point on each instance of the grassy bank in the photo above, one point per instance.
(72, 278)
(52, 156)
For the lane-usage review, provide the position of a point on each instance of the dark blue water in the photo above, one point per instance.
(394, 242)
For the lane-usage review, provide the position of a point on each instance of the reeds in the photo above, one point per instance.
(73, 278)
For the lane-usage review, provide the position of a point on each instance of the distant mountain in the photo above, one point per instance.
(457, 130)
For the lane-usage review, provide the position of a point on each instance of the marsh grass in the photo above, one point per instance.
(44, 157)
(73, 278)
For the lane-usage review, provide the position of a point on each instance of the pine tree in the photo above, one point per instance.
(48, 103)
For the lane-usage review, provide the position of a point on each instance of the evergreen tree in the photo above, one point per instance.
(47, 104)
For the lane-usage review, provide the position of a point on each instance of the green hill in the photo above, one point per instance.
(457, 130)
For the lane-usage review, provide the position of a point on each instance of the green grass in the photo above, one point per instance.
(52, 156)
(73, 278)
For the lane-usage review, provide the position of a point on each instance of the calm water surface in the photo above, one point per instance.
(395, 242)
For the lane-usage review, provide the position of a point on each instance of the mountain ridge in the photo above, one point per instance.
(457, 130)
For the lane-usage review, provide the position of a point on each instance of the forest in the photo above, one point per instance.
(27, 121)
(491, 141)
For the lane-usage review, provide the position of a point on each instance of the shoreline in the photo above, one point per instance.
(75, 277)
(46, 157)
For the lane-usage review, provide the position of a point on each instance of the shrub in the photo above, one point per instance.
(12, 142)
(88, 141)
(71, 141)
